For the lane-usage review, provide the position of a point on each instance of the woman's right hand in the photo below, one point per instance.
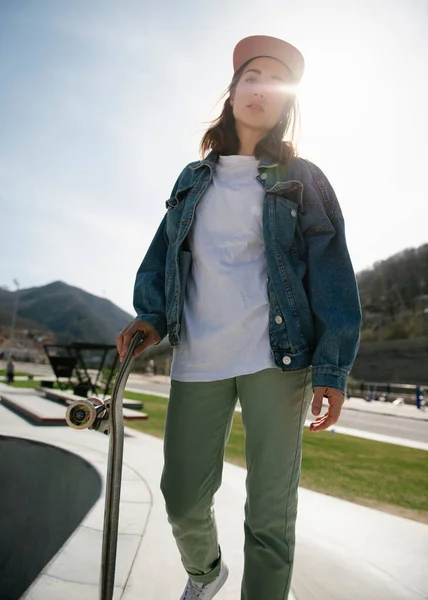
(123, 339)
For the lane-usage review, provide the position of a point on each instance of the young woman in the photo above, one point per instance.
(250, 277)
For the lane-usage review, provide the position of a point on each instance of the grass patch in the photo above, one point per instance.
(17, 374)
(155, 407)
(383, 476)
(30, 383)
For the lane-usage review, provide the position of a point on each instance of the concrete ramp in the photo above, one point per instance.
(68, 397)
(45, 411)
(30, 405)
(45, 493)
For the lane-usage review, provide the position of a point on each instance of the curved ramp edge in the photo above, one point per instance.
(46, 493)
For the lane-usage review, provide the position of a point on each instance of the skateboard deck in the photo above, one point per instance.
(107, 416)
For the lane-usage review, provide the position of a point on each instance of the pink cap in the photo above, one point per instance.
(264, 45)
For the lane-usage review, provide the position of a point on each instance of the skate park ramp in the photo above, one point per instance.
(45, 494)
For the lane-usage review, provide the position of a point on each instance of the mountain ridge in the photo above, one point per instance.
(67, 312)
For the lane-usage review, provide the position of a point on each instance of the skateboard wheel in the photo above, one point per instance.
(83, 413)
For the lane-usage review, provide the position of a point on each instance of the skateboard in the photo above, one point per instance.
(107, 416)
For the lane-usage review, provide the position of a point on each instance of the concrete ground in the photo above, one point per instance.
(344, 551)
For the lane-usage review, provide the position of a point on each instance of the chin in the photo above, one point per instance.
(254, 126)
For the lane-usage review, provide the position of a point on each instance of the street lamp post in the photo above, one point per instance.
(15, 311)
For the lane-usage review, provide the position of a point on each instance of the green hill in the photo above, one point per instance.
(394, 296)
(67, 312)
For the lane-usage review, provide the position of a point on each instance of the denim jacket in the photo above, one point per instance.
(315, 314)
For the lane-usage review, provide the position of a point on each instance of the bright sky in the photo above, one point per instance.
(102, 104)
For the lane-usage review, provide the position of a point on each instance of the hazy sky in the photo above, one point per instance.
(103, 102)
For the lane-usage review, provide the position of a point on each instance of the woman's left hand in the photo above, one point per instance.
(336, 398)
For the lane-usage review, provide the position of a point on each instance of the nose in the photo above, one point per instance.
(262, 89)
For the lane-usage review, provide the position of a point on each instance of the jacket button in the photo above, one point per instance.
(293, 213)
(286, 360)
(278, 320)
(263, 176)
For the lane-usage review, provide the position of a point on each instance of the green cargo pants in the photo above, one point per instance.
(274, 406)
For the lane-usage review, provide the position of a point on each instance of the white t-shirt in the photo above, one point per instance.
(225, 323)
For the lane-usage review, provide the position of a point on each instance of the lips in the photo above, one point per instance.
(255, 107)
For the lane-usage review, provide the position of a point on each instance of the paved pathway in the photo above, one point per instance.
(344, 551)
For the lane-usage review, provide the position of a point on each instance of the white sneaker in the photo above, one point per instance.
(205, 591)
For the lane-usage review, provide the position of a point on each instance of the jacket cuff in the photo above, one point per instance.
(158, 323)
(329, 377)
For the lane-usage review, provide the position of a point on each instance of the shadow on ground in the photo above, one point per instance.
(46, 493)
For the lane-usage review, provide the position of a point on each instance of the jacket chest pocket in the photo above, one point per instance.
(284, 216)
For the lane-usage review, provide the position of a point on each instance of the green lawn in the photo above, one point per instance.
(28, 383)
(384, 476)
(17, 374)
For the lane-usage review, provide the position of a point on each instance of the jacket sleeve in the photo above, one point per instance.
(149, 288)
(330, 284)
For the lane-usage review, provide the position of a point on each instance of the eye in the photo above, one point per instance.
(250, 80)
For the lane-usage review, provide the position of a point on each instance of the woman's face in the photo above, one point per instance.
(260, 95)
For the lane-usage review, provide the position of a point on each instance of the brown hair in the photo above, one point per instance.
(222, 137)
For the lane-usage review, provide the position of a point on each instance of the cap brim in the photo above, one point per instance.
(263, 45)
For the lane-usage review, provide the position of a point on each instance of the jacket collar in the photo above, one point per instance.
(212, 158)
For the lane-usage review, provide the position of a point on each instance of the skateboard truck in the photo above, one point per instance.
(92, 413)
(107, 416)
